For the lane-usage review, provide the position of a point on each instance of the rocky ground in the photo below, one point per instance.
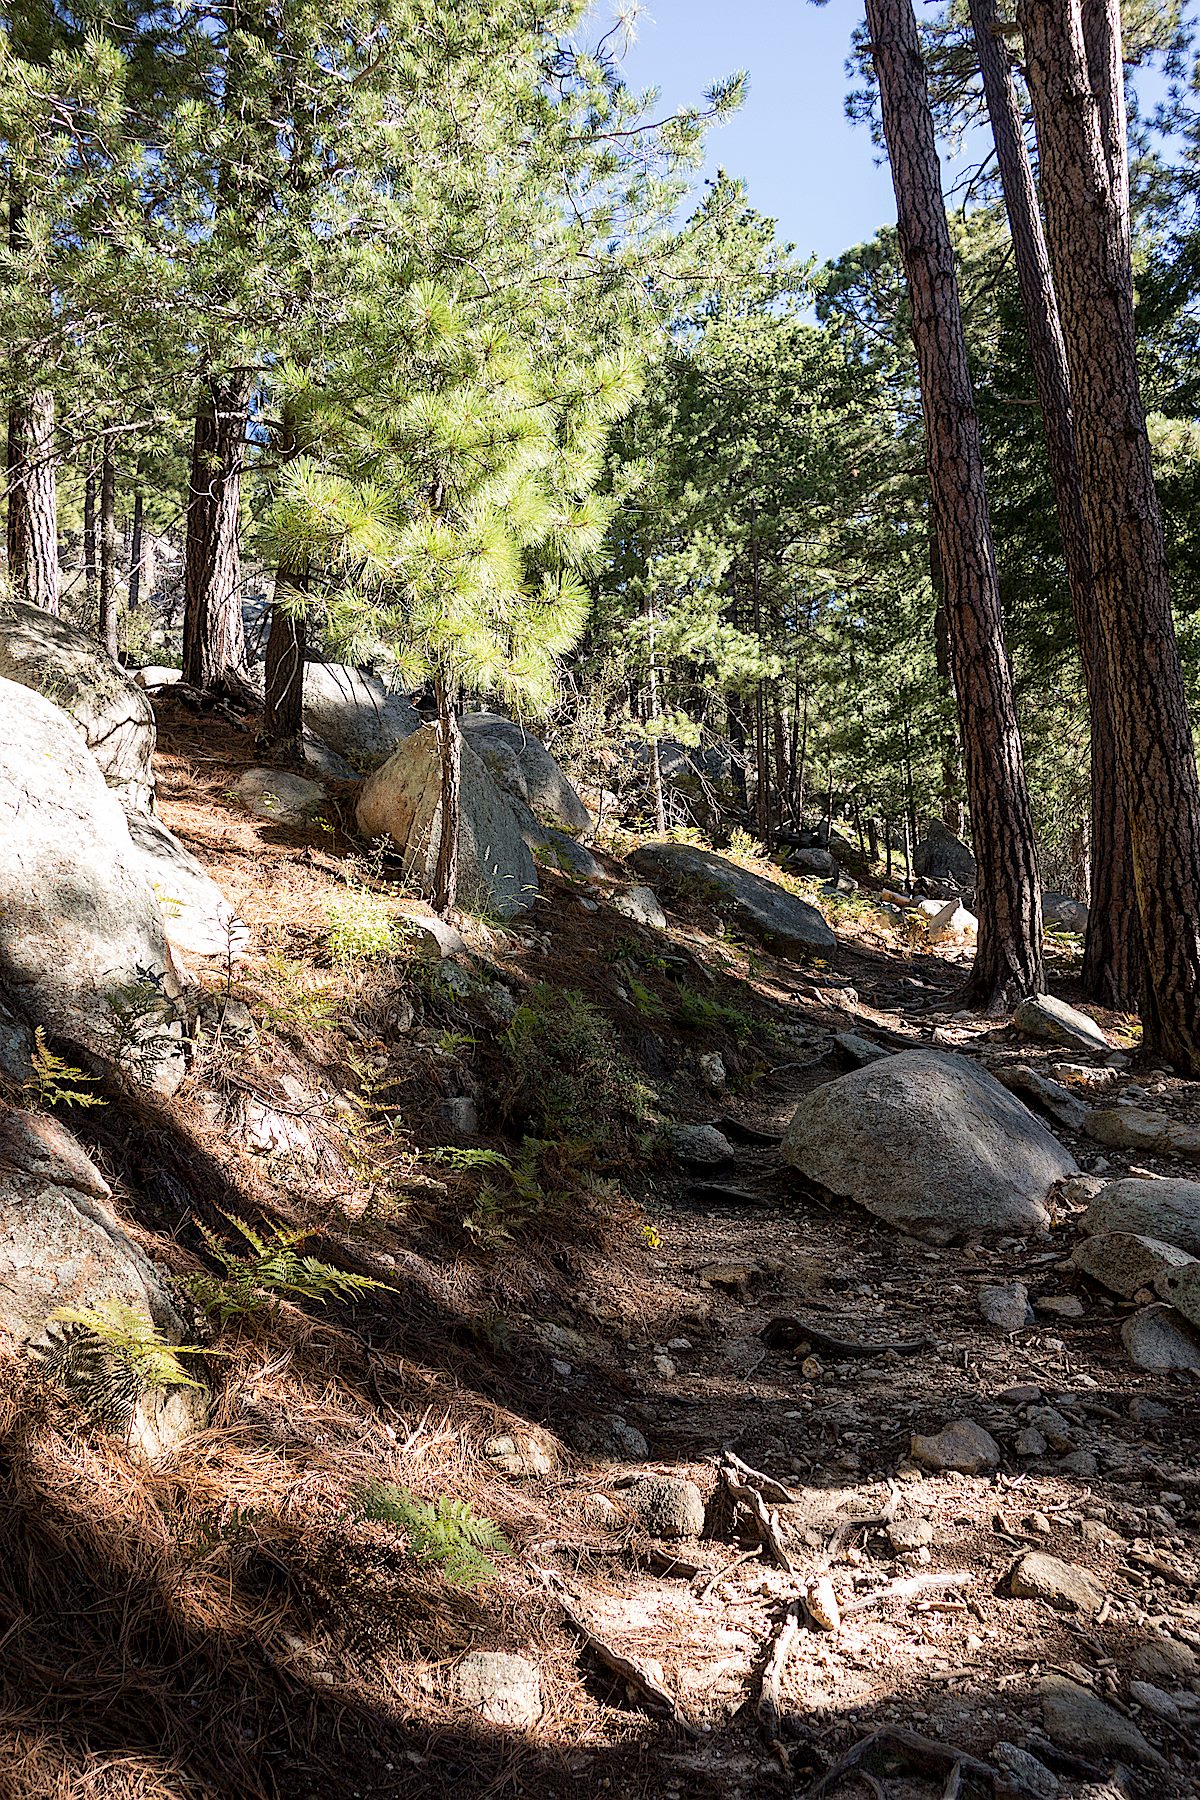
(791, 1501)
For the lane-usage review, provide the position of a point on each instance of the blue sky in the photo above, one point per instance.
(805, 164)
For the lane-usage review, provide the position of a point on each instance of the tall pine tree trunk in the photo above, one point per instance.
(32, 525)
(136, 540)
(1112, 971)
(1088, 234)
(1008, 961)
(90, 561)
(108, 550)
(214, 641)
(445, 881)
(282, 730)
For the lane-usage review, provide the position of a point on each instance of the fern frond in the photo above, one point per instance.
(446, 1532)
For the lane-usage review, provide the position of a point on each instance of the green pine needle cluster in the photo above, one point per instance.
(444, 1533)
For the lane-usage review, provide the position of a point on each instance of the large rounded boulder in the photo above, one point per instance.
(402, 801)
(82, 948)
(932, 1143)
(759, 906)
(111, 713)
(353, 713)
(523, 767)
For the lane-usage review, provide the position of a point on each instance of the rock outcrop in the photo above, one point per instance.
(756, 904)
(944, 857)
(82, 946)
(933, 1144)
(403, 801)
(108, 710)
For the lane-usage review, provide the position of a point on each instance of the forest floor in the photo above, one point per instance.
(223, 1621)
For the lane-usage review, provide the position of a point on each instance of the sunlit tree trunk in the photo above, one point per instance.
(214, 640)
(1112, 971)
(1008, 961)
(1088, 236)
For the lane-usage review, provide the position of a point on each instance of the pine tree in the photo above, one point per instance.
(1008, 900)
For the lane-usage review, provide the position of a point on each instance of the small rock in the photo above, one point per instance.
(1148, 1412)
(1039, 1524)
(1022, 1395)
(712, 1070)
(1029, 1443)
(1168, 1211)
(1181, 1286)
(641, 905)
(1095, 1531)
(275, 794)
(1037, 1576)
(1057, 1430)
(700, 1146)
(822, 1604)
(953, 924)
(664, 1367)
(627, 1440)
(1077, 1720)
(1157, 1338)
(1063, 1106)
(1084, 1075)
(1059, 1306)
(600, 1512)
(1129, 1128)
(432, 938)
(1125, 1262)
(962, 1445)
(460, 1115)
(1080, 1462)
(513, 1456)
(1166, 1659)
(1006, 1308)
(856, 1050)
(1022, 1774)
(503, 1688)
(667, 1505)
(1155, 1700)
(909, 1535)
(1052, 1021)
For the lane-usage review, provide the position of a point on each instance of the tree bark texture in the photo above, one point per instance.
(32, 524)
(214, 642)
(283, 716)
(1087, 232)
(90, 561)
(445, 883)
(108, 551)
(1112, 968)
(136, 544)
(1008, 961)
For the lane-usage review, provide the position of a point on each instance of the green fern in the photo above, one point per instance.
(131, 1341)
(446, 1532)
(273, 1268)
(51, 1076)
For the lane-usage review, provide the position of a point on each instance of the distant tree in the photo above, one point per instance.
(1008, 962)
(1070, 61)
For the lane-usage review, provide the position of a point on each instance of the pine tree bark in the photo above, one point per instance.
(1088, 236)
(136, 541)
(90, 563)
(1112, 965)
(445, 883)
(108, 550)
(282, 729)
(1008, 962)
(214, 641)
(32, 523)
